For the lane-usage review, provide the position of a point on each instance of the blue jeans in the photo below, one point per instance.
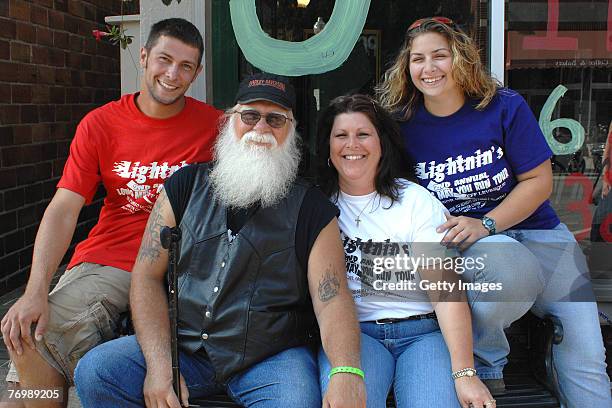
(412, 356)
(112, 375)
(546, 272)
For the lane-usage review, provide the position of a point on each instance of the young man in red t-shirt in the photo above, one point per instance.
(131, 146)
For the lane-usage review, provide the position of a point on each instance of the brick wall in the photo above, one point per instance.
(52, 72)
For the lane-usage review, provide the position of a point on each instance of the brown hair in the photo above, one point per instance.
(393, 162)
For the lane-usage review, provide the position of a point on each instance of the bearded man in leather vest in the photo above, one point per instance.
(261, 262)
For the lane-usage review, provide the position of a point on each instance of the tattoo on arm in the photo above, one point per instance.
(329, 285)
(151, 248)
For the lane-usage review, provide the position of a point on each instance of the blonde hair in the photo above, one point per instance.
(397, 92)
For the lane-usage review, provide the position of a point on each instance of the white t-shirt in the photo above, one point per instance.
(412, 219)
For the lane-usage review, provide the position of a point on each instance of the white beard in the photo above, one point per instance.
(244, 174)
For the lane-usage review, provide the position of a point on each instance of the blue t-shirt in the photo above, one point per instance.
(469, 160)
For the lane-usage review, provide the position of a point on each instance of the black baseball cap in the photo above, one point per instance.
(267, 87)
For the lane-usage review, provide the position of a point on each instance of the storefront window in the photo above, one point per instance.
(552, 43)
(381, 38)
(558, 56)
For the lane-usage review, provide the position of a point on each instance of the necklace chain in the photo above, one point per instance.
(358, 219)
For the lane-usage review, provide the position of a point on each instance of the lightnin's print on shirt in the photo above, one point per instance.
(461, 182)
(143, 182)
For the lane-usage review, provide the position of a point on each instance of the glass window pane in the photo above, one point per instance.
(551, 43)
(382, 37)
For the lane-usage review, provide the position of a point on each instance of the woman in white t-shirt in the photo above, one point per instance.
(388, 227)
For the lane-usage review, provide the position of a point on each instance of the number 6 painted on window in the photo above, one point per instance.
(547, 126)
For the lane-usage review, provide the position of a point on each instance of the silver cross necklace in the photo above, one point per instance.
(358, 219)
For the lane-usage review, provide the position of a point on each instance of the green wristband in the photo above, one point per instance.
(350, 370)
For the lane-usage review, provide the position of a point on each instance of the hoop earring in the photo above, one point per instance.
(328, 162)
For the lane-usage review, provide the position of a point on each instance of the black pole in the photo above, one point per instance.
(169, 239)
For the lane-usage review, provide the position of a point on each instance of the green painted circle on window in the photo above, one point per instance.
(323, 52)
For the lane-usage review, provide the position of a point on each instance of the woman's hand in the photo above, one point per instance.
(345, 390)
(462, 231)
(473, 393)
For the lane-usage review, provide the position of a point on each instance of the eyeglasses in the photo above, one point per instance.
(252, 117)
(439, 19)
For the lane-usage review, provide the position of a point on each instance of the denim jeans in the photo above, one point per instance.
(543, 271)
(112, 375)
(412, 356)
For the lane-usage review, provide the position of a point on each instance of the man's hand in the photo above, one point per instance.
(345, 390)
(16, 324)
(158, 391)
(473, 393)
(462, 231)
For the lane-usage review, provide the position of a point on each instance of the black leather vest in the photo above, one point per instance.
(245, 300)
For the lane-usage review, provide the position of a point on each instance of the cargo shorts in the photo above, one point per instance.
(84, 310)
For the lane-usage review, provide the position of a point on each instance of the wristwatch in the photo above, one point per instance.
(489, 224)
(466, 372)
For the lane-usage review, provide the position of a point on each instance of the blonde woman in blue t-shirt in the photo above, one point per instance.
(478, 148)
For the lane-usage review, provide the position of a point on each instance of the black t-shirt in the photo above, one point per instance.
(315, 213)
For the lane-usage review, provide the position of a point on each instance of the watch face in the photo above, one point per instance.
(488, 223)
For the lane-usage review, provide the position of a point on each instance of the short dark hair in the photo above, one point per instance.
(178, 28)
(393, 161)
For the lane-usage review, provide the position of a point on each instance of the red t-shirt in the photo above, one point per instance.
(132, 155)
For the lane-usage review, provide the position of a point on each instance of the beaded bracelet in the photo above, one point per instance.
(346, 369)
